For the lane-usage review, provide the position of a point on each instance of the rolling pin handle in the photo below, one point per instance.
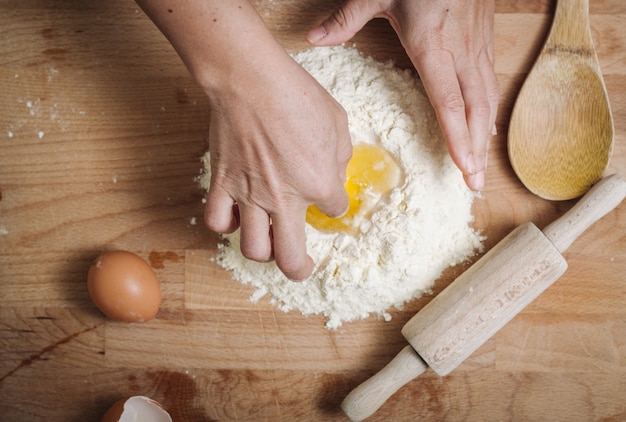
(365, 399)
(605, 195)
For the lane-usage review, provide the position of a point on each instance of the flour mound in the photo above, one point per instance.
(415, 232)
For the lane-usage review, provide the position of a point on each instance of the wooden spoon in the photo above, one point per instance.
(561, 129)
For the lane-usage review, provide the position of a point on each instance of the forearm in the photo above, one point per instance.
(278, 141)
(219, 41)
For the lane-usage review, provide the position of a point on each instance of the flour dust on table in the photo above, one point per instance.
(398, 247)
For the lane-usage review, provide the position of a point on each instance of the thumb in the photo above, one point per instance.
(337, 205)
(344, 23)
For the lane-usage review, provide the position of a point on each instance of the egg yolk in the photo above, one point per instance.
(371, 173)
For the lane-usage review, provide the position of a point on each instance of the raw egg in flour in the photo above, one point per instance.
(124, 287)
(371, 173)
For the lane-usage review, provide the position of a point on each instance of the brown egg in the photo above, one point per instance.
(136, 408)
(124, 287)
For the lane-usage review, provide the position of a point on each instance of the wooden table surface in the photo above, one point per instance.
(101, 134)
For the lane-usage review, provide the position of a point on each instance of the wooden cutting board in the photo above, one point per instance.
(101, 134)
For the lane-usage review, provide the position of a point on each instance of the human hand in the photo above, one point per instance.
(451, 46)
(278, 143)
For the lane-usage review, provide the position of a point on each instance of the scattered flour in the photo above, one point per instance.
(417, 231)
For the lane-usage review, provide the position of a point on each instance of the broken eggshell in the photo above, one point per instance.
(136, 409)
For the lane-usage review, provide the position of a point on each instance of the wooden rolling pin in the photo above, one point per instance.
(484, 298)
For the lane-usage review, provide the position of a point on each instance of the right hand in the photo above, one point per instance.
(278, 143)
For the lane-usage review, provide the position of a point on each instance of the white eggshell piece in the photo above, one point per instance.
(143, 409)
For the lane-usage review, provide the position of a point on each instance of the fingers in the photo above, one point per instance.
(481, 93)
(337, 204)
(220, 212)
(344, 23)
(465, 97)
(256, 241)
(223, 215)
(438, 74)
(289, 237)
(284, 240)
(290, 246)
(478, 114)
(486, 66)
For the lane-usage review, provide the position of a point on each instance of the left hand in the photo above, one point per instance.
(450, 43)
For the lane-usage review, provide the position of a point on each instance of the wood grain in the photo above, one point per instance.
(560, 152)
(101, 134)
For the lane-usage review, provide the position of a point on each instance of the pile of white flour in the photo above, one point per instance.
(414, 234)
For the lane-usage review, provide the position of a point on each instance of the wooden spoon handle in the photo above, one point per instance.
(364, 400)
(605, 195)
(570, 30)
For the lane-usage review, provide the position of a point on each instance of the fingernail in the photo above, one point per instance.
(345, 211)
(478, 181)
(316, 34)
(494, 130)
(470, 164)
(308, 271)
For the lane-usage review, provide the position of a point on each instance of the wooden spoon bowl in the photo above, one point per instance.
(561, 129)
